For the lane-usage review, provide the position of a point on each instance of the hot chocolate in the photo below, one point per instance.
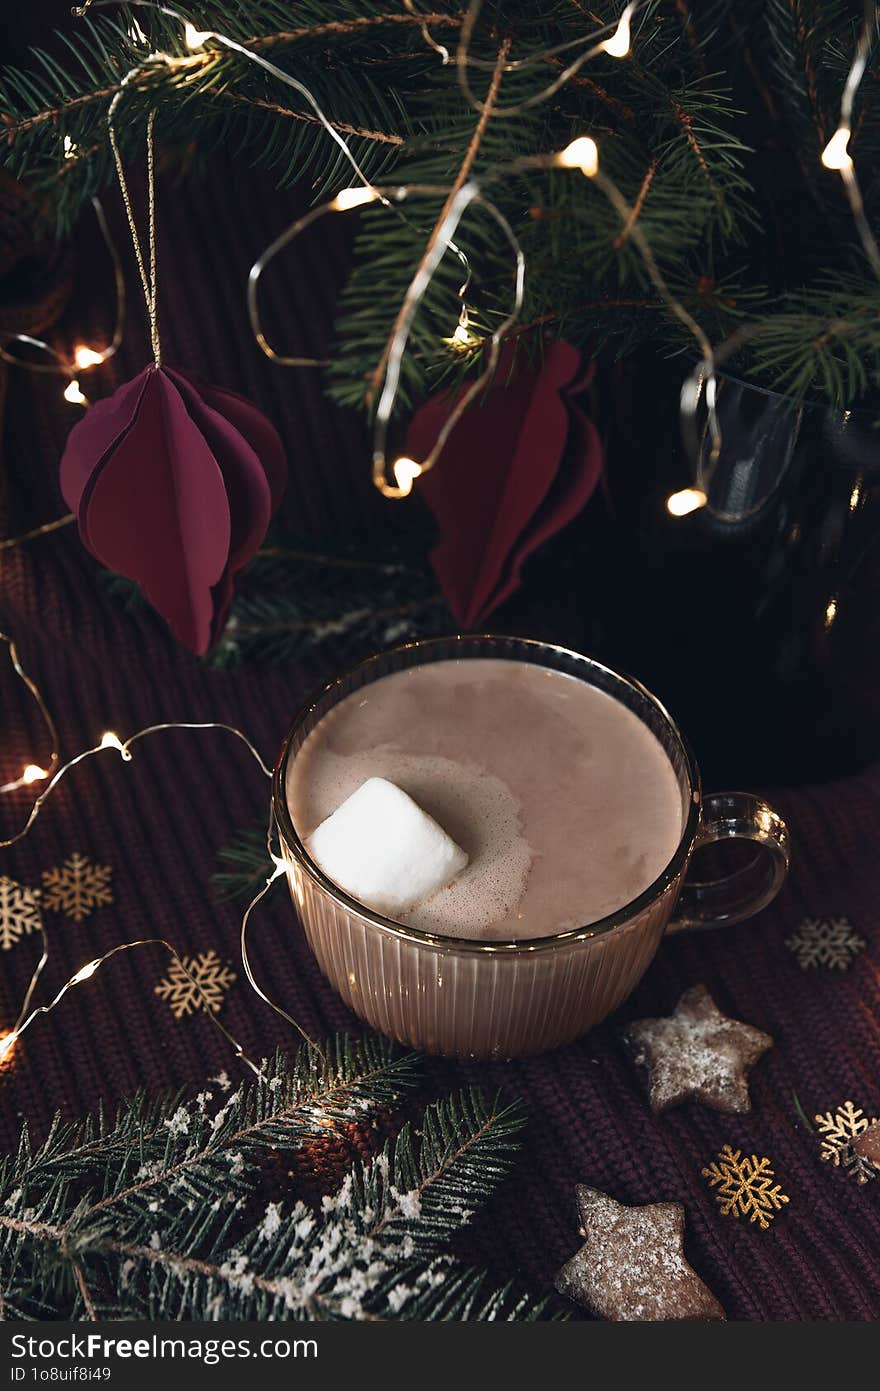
(565, 802)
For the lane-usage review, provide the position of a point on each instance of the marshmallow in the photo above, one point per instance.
(384, 850)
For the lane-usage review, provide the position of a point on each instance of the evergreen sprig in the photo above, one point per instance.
(158, 1212)
(301, 594)
(298, 595)
(712, 127)
(244, 867)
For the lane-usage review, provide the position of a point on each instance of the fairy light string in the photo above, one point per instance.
(616, 44)
(406, 470)
(10, 542)
(83, 357)
(197, 39)
(613, 40)
(439, 48)
(836, 155)
(33, 772)
(581, 155)
(86, 971)
(111, 741)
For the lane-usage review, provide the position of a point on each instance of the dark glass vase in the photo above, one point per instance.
(757, 618)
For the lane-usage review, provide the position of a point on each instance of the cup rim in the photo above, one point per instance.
(514, 946)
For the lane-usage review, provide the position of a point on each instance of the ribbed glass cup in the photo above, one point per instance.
(505, 999)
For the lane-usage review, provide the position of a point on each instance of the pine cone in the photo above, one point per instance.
(312, 1171)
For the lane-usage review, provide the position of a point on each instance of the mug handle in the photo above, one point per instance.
(718, 902)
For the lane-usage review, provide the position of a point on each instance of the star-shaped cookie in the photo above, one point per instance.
(632, 1265)
(867, 1145)
(697, 1054)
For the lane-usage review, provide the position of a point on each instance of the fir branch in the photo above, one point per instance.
(153, 72)
(297, 596)
(686, 121)
(245, 867)
(378, 137)
(637, 206)
(269, 630)
(151, 1142)
(687, 104)
(458, 182)
(427, 1193)
(79, 1240)
(342, 28)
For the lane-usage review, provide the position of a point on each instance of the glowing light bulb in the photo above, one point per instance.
(830, 612)
(618, 45)
(109, 740)
(688, 500)
(7, 1043)
(84, 356)
(85, 972)
(73, 394)
(462, 339)
(582, 154)
(194, 37)
(69, 148)
(33, 773)
(835, 155)
(352, 198)
(406, 471)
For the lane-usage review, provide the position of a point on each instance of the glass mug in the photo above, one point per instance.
(468, 998)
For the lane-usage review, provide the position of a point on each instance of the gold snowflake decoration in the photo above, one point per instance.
(839, 1129)
(745, 1186)
(829, 942)
(196, 982)
(77, 887)
(19, 911)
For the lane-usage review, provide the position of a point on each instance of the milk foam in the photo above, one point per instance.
(477, 810)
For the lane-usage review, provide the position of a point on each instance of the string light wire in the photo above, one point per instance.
(581, 154)
(123, 748)
(702, 378)
(406, 470)
(28, 994)
(280, 868)
(628, 219)
(85, 972)
(10, 542)
(198, 38)
(33, 772)
(613, 40)
(84, 357)
(616, 45)
(426, 34)
(110, 740)
(692, 392)
(836, 153)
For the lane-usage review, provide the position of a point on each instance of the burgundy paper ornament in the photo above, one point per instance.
(173, 484)
(518, 466)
